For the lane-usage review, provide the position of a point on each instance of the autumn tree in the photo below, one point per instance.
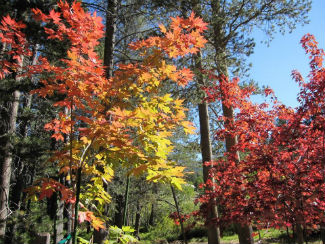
(228, 21)
(101, 136)
(279, 180)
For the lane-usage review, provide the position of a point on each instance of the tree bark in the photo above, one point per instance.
(206, 151)
(322, 233)
(299, 234)
(126, 199)
(152, 215)
(111, 16)
(58, 223)
(118, 217)
(137, 219)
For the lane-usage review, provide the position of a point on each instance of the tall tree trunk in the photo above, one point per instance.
(206, 152)
(111, 17)
(6, 165)
(244, 231)
(58, 215)
(15, 201)
(213, 230)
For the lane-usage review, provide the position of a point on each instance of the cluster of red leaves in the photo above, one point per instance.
(15, 46)
(45, 187)
(84, 77)
(280, 178)
(177, 218)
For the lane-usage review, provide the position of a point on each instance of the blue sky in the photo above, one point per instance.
(272, 65)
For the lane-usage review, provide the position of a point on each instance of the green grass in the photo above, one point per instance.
(229, 239)
(268, 236)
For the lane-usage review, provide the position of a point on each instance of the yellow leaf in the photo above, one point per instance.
(162, 28)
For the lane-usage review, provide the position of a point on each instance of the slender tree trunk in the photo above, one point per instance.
(76, 206)
(299, 221)
(58, 223)
(179, 215)
(68, 216)
(152, 215)
(126, 198)
(137, 219)
(111, 17)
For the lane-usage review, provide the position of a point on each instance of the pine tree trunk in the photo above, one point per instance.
(206, 152)
(7, 163)
(15, 201)
(212, 211)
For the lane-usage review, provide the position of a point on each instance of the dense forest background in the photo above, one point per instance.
(96, 139)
